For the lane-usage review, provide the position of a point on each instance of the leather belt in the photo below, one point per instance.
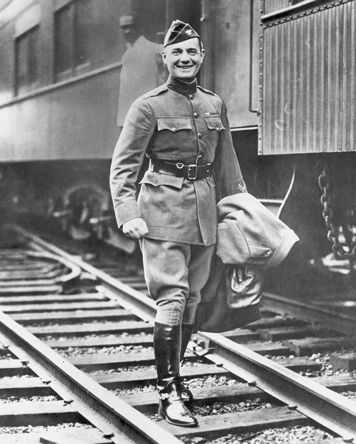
(188, 171)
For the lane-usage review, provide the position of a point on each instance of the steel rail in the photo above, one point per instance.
(117, 420)
(324, 406)
(333, 411)
(336, 321)
(74, 273)
(128, 298)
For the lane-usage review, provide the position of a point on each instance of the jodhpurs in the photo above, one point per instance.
(175, 274)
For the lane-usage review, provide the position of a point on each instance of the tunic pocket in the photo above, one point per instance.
(214, 123)
(174, 124)
(158, 179)
(161, 200)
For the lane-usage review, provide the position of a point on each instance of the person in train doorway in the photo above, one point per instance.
(184, 130)
(141, 66)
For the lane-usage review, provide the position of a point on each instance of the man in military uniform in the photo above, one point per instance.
(142, 67)
(184, 131)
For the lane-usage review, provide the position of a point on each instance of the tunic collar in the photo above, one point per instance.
(182, 87)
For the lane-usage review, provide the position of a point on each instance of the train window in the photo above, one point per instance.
(73, 25)
(63, 40)
(83, 22)
(26, 53)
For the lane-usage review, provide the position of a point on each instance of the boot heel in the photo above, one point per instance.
(172, 408)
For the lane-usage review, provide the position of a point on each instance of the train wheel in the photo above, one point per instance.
(81, 204)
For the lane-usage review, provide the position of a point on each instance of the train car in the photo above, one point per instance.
(307, 105)
(285, 69)
(61, 96)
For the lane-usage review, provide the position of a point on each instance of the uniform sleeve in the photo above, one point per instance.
(226, 165)
(127, 160)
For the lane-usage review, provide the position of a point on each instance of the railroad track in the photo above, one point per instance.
(77, 352)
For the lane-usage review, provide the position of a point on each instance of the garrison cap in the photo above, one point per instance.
(127, 20)
(178, 32)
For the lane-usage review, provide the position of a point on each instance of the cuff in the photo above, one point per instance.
(126, 211)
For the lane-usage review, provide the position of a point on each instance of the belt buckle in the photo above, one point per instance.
(193, 167)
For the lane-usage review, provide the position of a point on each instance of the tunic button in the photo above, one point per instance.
(174, 129)
(200, 135)
(191, 96)
(195, 115)
(200, 156)
(217, 128)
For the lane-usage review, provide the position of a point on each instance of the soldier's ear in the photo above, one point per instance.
(202, 55)
(164, 55)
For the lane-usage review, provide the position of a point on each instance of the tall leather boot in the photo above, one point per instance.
(167, 346)
(187, 330)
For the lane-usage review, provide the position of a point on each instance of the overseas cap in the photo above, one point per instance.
(127, 20)
(178, 32)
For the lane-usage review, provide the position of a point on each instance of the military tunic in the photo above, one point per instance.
(176, 122)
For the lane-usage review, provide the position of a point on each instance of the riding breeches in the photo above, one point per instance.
(175, 274)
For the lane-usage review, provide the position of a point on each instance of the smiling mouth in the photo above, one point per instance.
(185, 67)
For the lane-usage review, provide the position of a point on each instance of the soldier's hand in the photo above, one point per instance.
(135, 228)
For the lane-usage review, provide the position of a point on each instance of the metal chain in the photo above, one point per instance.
(325, 200)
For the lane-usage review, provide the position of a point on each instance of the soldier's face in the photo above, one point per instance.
(129, 33)
(184, 59)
